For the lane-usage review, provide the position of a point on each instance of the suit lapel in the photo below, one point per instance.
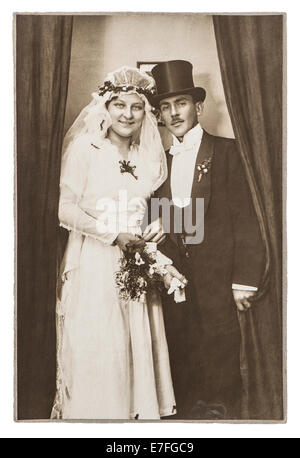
(173, 236)
(169, 161)
(203, 188)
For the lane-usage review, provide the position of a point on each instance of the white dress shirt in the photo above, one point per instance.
(183, 165)
(182, 173)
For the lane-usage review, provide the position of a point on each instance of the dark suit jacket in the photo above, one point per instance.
(232, 250)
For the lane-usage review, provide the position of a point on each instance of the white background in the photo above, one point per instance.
(8, 428)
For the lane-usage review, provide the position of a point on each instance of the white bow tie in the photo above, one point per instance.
(182, 147)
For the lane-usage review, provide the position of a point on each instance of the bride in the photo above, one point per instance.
(112, 355)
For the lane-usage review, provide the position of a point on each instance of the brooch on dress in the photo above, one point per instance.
(203, 168)
(125, 167)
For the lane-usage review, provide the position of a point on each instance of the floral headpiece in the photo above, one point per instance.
(108, 86)
(128, 79)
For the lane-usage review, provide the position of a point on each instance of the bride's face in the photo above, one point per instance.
(127, 113)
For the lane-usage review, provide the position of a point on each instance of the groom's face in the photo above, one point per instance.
(179, 114)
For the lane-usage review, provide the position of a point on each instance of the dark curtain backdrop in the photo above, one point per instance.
(43, 47)
(250, 50)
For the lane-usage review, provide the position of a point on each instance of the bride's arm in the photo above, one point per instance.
(75, 169)
(72, 217)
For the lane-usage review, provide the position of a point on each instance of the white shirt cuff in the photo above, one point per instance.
(244, 287)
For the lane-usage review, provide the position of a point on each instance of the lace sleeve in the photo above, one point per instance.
(73, 218)
(74, 174)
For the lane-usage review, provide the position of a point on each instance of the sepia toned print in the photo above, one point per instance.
(149, 217)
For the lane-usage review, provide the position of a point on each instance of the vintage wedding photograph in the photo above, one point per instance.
(149, 203)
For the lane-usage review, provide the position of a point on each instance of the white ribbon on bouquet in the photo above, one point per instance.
(163, 265)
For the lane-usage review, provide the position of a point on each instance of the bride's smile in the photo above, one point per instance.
(127, 113)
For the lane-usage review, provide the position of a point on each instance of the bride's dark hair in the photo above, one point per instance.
(109, 101)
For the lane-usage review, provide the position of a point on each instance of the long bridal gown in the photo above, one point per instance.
(112, 355)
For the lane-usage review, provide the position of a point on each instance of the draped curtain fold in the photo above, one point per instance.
(250, 50)
(43, 48)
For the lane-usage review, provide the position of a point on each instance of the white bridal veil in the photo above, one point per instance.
(92, 124)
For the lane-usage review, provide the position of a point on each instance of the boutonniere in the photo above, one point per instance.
(125, 167)
(203, 168)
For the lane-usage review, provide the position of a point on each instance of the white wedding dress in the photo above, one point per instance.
(112, 356)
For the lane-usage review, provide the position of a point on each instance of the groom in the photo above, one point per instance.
(223, 269)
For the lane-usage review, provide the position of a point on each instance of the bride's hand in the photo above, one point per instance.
(174, 273)
(125, 240)
(171, 273)
(167, 280)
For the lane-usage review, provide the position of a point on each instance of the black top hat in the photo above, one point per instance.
(175, 77)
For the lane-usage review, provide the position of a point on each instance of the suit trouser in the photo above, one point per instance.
(215, 363)
(204, 359)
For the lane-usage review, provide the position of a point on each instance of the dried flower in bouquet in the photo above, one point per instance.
(137, 274)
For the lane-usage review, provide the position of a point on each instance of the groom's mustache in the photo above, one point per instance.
(175, 120)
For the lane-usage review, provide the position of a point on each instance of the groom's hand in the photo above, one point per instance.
(241, 298)
(154, 232)
(125, 240)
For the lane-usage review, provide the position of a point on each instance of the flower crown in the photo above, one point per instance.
(126, 79)
(108, 86)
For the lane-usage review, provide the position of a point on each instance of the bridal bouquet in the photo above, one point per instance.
(142, 269)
